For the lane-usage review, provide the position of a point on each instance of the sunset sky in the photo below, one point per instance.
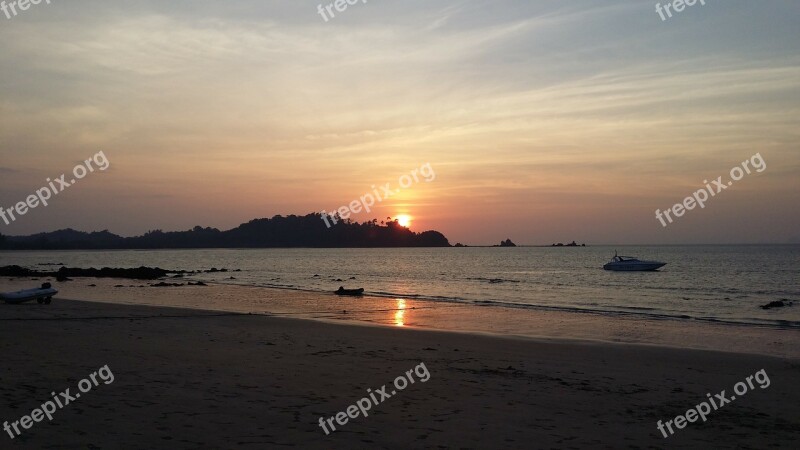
(544, 121)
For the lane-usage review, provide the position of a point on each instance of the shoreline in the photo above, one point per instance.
(534, 339)
(172, 312)
(542, 280)
(753, 322)
(489, 320)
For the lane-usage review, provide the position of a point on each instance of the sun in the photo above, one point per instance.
(404, 220)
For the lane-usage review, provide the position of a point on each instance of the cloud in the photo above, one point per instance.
(264, 103)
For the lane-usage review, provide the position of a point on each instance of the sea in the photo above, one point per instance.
(724, 283)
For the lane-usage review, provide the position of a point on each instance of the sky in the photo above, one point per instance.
(543, 121)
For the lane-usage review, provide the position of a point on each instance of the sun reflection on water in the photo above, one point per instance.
(400, 313)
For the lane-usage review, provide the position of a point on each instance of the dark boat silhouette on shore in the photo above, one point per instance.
(351, 292)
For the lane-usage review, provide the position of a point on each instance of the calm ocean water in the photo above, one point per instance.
(724, 283)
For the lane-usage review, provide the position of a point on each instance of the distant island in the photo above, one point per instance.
(571, 244)
(506, 243)
(278, 232)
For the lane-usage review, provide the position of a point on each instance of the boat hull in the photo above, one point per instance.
(350, 292)
(641, 266)
(28, 295)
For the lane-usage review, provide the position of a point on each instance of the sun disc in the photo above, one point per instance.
(404, 220)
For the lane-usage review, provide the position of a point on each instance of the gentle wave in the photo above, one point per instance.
(635, 311)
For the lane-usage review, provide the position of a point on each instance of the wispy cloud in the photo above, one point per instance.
(239, 109)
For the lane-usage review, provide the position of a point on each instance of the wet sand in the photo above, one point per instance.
(211, 379)
(396, 312)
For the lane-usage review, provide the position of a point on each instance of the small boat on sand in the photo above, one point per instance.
(43, 294)
(631, 264)
(351, 292)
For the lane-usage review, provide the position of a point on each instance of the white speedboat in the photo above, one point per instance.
(631, 264)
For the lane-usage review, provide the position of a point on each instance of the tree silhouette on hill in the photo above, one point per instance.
(276, 232)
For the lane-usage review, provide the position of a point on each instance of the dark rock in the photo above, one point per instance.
(140, 273)
(507, 243)
(777, 304)
(16, 271)
(571, 244)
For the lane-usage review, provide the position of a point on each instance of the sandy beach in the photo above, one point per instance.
(186, 378)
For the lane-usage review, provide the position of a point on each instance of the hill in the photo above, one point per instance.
(277, 232)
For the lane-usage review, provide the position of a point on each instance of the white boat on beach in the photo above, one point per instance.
(631, 264)
(43, 294)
